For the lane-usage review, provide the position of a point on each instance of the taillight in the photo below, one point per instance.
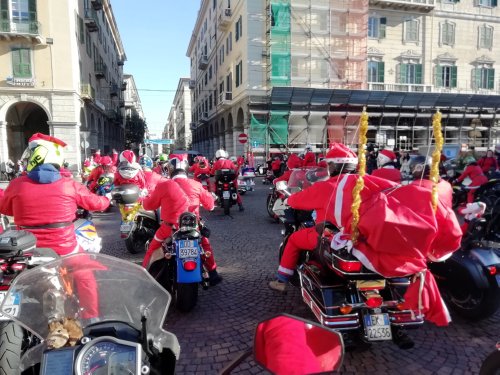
(189, 265)
(492, 270)
(17, 266)
(3, 267)
(226, 186)
(345, 309)
(374, 301)
(350, 266)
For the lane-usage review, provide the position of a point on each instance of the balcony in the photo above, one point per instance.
(91, 20)
(121, 103)
(193, 125)
(225, 99)
(423, 6)
(113, 90)
(203, 62)
(401, 87)
(192, 84)
(120, 63)
(225, 19)
(96, 4)
(124, 86)
(11, 27)
(87, 92)
(100, 70)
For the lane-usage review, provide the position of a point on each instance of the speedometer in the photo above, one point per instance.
(108, 355)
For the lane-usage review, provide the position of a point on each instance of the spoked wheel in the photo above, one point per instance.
(270, 204)
(135, 244)
(471, 302)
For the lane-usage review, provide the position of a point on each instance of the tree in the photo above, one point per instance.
(135, 129)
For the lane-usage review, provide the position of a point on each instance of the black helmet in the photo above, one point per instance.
(420, 166)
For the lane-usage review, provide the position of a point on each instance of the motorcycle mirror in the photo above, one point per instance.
(287, 344)
(281, 186)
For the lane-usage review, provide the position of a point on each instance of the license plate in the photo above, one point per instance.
(378, 327)
(226, 194)
(188, 249)
(126, 227)
(11, 306)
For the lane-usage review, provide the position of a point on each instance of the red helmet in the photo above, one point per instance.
(341, 159)
(128, 156)
(106, 161)
(384, 157)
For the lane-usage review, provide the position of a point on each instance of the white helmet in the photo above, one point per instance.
(385, 157)
(176, 164)
(221, 154)
(128, 170)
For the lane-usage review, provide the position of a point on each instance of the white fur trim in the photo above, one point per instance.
(342, 160)
(339, 200)
(286, 271)
(364, 260)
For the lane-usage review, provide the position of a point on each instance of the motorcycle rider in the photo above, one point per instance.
(152, 178)
(386, 166)
(276, 166)
(293, 162)
(201, 166)
(105, 166)
(222, 162)
(197, 196)
(488, 162)
(475, 173)
(309, 157)
(171, 199)
(129, 171)
(44, 203)
(161, 165)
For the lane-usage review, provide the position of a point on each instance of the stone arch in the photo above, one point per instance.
(5, 108)
(24, 118)
(240, 120)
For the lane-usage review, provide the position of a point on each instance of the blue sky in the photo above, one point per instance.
(155, 35)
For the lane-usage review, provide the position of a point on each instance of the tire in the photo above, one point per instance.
(11, 342)
(491, 365)
(473, 303)
(133, 245)
(270, 205)
(186, 296)
(226, 205)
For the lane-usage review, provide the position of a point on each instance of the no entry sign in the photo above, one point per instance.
(243, 138)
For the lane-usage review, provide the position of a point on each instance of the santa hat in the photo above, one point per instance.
(128, 156)
(389, 154)
(39, 138)
(106, 161)
(341, 154)
(293, 162)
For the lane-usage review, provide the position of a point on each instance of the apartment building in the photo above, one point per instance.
(61, 73)
(132, 101)
(179, 119)
(297, 72)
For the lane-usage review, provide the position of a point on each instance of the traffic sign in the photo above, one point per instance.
(243, 138)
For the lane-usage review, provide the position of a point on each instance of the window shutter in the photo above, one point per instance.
(476, 78)
(4, 12)
(454, 73)
(438, 76)
(402, 73)
(494, 3)
(237, 75)
(32, 9)
(16, 62)
(418, 74)
(491, 79)
(383, 25)
(380, 71)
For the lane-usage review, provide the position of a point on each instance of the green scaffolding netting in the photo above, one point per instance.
(280, 50)
(258, 131)
(278, 127)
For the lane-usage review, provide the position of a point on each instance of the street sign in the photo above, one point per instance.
(242, 138)
(84, 144)
(160, 141)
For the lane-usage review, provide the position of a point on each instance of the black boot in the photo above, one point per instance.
(241, 207)
(401, 338)
(214, 278)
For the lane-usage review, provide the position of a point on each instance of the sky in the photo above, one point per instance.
(155, 35)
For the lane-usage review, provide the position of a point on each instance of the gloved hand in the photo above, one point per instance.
(215, 196)
(143, 193)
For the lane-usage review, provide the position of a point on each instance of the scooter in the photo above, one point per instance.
(246, 180)
(125, 337)
(225, 188)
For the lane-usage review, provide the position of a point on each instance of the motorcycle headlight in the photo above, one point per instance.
(450, 173)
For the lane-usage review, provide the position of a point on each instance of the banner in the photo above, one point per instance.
(159, 141)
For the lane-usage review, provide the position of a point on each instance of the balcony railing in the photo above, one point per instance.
(203, 62)
(96, 4)
(225, 19)
(100, 70)
(113, 90)
(225, 98)
(403, 87)
(408, 5)
(10, 25)
(91, 20)
(87, 91)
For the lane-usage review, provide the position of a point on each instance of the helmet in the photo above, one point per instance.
(128, 170)
(44, 149)
(420, 166)
(106, 179)
(106, 161)
(385, 157)
(308, 148)
(202, 160)
(162, 158)
(146, 162)
(176, 166)
(341, 159)
(221, 154)
(294, 162)
(128, 156)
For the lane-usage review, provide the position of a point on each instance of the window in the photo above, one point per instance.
(210, 72)
(445, 76)
(485, 36)
(376, 27)
(239, 29)
(229, 82)
(411, 30)
(88, 44)
(221, 87)
(483, 78)
(81, 34)
(376, 71)
(21, 63)
(447, 33)
(239, 73)
(230, 41)
(486, 3)
(410, 73)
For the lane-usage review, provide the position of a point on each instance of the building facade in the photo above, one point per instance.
(178, 127)
(297, 72)
(61, 73)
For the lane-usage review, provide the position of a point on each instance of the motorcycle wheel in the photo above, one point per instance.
(226, 204)
(186, 296)
(134, 245)
(472, 303)
(11, 342)
(491, 365)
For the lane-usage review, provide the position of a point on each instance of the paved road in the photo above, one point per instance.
(224, 320)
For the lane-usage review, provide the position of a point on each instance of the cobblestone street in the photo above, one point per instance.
(223, 322)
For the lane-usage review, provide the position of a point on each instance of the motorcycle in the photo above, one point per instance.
(18, 254)
(178, 267)
(225, 188)
(340, 291)
(272, 197)
(204, 179)
(246, 180)
(311, 348)
(470, 279)
(125, 338)
(137, 226)
(491, 364)
(269, 177)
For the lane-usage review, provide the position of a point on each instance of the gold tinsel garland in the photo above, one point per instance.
(436, 157)
(360, 183)
(129, 215)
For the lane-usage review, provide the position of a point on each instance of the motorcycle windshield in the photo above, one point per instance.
(70, 285)
(304, 177)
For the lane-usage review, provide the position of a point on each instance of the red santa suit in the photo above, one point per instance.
(172, 200)
(223, 163)
(309, 159)
(198, 170)
(293, 162)
(152, 179)
(139, 179)
(488, 163)
(475, 173)
(197, 196)
(388, 172)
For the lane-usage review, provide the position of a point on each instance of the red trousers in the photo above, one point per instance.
(164, 232)
(303, 240)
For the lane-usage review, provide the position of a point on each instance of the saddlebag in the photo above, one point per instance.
(14, 241)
